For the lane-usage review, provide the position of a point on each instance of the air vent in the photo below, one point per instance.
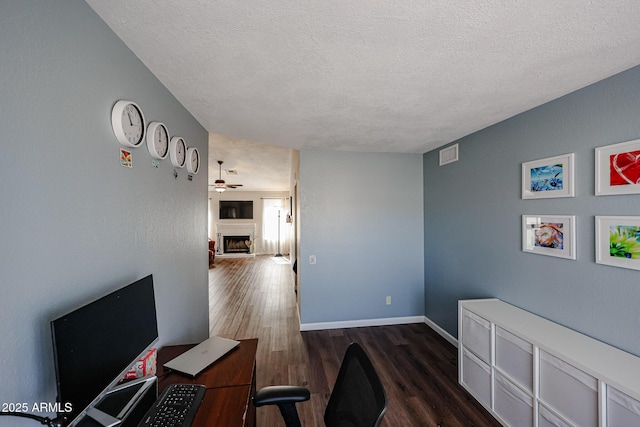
(449, 155)
(232, 172)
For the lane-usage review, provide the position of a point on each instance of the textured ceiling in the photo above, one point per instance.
(258, 167)
(372, 75)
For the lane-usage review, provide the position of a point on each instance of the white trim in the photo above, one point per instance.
(380, 322)
(360, 323)
(444, 334)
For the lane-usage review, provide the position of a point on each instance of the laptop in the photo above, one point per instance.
(196, 359)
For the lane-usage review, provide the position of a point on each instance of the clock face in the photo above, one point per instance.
(177, 151)
(181, 152)
(193, 160)
(128, 124)
(158, 140)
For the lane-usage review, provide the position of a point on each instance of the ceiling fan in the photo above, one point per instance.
(220, 185)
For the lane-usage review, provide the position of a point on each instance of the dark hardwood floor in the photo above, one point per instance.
(254, 298)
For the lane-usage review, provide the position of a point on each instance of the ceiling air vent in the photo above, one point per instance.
(449, 155)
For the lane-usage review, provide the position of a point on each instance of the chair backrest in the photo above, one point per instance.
(358, 398)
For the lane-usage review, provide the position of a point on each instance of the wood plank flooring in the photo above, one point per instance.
(254, 298)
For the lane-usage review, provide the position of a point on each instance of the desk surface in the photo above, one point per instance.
(230, 383)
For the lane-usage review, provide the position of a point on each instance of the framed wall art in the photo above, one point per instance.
(547, 178)
(618, 241)
(552, 235)
(618, 169)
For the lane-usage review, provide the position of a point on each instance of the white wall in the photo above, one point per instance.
(75, 224)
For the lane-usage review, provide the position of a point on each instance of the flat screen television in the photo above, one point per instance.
(96, 344)
(236, 209)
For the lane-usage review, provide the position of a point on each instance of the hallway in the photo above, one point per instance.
(254, 298)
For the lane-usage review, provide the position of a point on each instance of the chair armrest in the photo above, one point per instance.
(280, 394)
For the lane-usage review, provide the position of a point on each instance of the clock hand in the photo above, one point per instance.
(129, 115)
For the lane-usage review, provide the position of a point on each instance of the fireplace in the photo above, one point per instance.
(237, 244)
(236, 240)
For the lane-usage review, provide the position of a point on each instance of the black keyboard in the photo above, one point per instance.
(175, 407)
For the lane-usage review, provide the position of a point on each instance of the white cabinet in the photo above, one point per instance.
(511, 403)
(622, 410)
(568, 390)
(514, 357)
(478, 338)
(528, 371)
(477, 377)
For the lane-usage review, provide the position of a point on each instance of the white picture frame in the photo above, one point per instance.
(618, 169)
(618, 241)
(548, 178)
(551, 235)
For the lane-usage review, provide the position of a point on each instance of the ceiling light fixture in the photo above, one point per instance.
(220, 185)
(220, 182)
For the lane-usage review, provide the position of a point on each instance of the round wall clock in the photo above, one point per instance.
(158, 140)
(127, 122)
(177, 151)
(193, 160)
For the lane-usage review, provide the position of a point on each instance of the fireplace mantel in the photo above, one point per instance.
(245, 229)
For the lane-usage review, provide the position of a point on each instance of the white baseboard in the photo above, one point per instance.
(360, 323)
(380, 322)
(444, 334)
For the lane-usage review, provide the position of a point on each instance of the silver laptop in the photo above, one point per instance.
(196, 359)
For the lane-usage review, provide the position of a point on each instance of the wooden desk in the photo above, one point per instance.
(230, 381)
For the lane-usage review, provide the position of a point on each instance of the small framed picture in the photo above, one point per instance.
(618, 169)
(618, 241)
(126, 159)
(547, 178)
(552, 235)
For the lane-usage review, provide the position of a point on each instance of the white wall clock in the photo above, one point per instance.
(177, 151)
(128, 124)
(193, 160)
(158, 140)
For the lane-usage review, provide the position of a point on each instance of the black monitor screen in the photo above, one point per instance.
(97, 342)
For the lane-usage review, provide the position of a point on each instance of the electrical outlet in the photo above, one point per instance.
(389, 300)
(312, 259)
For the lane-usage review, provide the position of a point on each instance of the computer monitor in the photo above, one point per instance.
(96, 344)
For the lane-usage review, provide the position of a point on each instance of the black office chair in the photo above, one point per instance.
(358, 398)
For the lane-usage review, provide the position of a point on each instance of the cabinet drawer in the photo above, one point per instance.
(514, 356)
(476, 335)
(568, 390)
(476, 375)
(511, 403)
(546, 418)
(622, 410)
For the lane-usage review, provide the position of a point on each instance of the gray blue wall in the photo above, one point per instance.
(361, 216)
(74, 224)
(473, 211)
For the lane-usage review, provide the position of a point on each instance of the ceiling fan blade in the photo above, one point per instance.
(233, 185)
